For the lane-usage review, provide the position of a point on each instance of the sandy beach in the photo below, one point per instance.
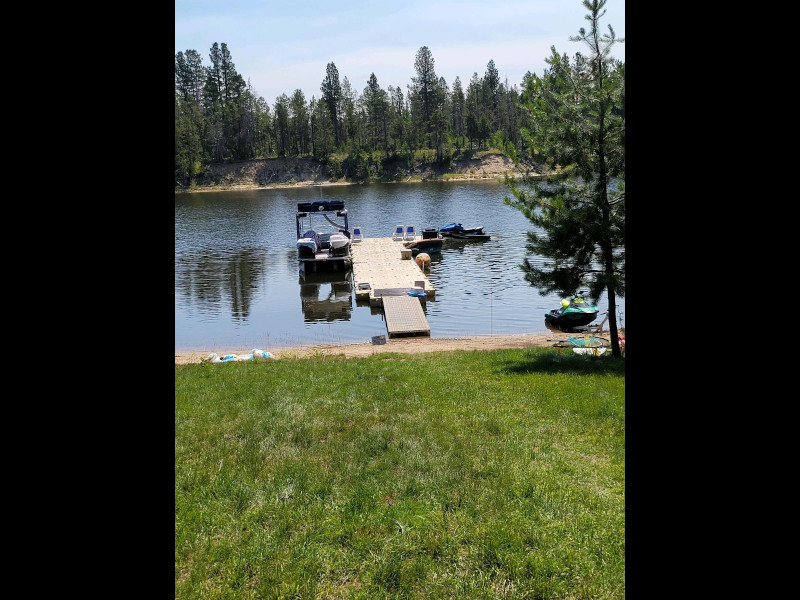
(401, 345)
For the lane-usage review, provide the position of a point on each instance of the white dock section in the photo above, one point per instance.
(379, 270)
(382, 275)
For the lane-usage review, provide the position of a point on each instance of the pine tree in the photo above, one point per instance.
(457, 103)
(332, 97)
(189, 75)
(281, 126)
(578, 109)
(299, 120)
(425, 96)
(376, 109)
(398, 120)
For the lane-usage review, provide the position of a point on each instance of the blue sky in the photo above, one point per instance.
(281, 46)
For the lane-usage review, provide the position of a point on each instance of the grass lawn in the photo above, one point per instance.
(468, 474)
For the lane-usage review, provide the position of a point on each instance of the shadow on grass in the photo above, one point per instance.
(538, 361)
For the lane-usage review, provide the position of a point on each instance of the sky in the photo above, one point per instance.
(279, 46)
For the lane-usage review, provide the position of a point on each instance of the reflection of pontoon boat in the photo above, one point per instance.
(320, 251)
(574, 312)
(326, 296)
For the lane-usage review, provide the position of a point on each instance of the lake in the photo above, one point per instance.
(238, 285)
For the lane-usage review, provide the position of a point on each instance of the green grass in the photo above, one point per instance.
(497, 474)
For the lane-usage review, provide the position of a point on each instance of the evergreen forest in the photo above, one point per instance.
(219, 117)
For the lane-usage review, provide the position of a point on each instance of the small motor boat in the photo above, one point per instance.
(430, 245)
(575, 312)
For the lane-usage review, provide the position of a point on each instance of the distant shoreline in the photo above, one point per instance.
(282, 173)
(300, 184)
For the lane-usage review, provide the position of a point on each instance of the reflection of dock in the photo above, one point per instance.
(326, 296)
(385, 278)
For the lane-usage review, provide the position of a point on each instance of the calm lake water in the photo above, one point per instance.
(238, 285)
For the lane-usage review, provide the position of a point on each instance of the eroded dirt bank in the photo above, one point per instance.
(280, 172)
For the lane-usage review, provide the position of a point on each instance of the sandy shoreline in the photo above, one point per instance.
(407, 345)
(243, 187)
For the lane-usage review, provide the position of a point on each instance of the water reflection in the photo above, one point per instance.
(210, 278)
(326, 296)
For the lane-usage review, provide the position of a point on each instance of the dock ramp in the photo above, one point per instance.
(404, 316)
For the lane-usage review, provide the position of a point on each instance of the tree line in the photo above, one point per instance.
(219, 117)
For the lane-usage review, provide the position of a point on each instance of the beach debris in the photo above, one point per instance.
(255, 354)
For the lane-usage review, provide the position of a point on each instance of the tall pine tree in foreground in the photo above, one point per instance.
(578, 208)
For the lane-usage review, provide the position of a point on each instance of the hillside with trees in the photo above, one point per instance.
(376, 134)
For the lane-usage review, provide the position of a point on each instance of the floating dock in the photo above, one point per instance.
(379, 269)
(384, 273)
